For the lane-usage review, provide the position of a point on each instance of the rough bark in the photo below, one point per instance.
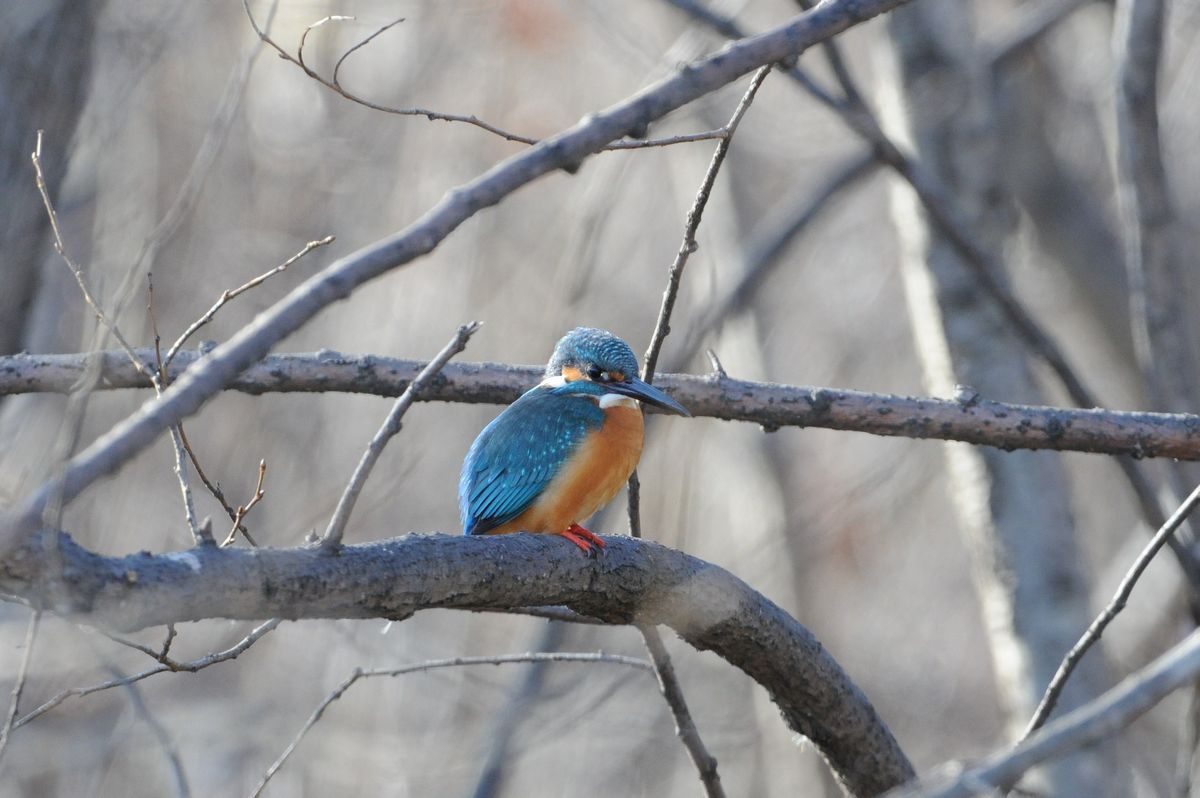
(633, 581)
(968, 417)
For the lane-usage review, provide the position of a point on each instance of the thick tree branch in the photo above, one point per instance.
(566, 150)
(633, 582)
(966, 418)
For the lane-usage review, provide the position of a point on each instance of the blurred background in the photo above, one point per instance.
(175, 145)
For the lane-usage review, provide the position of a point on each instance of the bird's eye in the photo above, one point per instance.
(596, 375)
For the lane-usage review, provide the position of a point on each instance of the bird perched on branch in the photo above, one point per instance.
(565, 447)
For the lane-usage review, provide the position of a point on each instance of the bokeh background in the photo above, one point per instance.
(855, 536)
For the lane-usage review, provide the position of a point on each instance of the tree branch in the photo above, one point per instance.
(633, 582)
(966, 418)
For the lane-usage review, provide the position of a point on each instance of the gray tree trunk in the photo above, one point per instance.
(1013, 508)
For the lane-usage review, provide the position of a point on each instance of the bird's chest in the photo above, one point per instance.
(596, 470)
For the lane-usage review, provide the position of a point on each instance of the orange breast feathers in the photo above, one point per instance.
(589, 480)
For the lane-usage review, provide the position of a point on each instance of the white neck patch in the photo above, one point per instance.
(553, 382)
(616, 400)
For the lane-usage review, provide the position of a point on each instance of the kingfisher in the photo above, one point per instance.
(565, 447)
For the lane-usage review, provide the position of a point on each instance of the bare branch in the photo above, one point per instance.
(1113, 608)
(14, 702)
(334, 84)
(634, 582)
(1033, 22)
(967, 417)
(454, 662)
(662, 327)
(76, 272)
(565, 150)
(685, 726)
(152, 374)
(161, 734)
(165, 665)
(242, 511)
(227, 295)
(1084, 726)
(332, 538)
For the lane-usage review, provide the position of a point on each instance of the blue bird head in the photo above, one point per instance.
(597, 362)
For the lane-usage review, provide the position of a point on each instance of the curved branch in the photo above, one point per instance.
(965, 418)
(635, 581)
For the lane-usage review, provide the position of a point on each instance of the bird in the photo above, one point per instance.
(565, 447)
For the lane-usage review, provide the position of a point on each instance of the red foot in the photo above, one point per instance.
(582, 538)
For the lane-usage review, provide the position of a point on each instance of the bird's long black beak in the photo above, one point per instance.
(645, 392)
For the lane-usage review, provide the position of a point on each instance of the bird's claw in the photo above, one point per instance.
(584, 539)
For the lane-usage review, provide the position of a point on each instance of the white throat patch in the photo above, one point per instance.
(616, 400)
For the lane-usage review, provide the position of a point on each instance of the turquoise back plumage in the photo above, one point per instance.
(515, 457)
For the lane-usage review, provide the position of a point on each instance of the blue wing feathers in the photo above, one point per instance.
(518, 454)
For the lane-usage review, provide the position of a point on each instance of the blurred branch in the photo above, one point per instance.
(767, 243)
(566, 150)
(35, 618)
(1088, 724)
(634, 582)
(967, 417)
(454, 662)
(1157, 289)
(170, 749)
(166, 664)
(1034, 21)
(198, 171)
(1114, 607)
(332, 539)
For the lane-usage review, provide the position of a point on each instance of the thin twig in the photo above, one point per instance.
(1114, 607)
(685, 726)
(148, 371)
(160, 732)
(31, 631)
(165, 665)
(242, 511)
(76, 272)
(662, 326)
(338, 66)
(229, 294)
(334, 84)
(214, 488)
(360, 673)
(332, 538)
